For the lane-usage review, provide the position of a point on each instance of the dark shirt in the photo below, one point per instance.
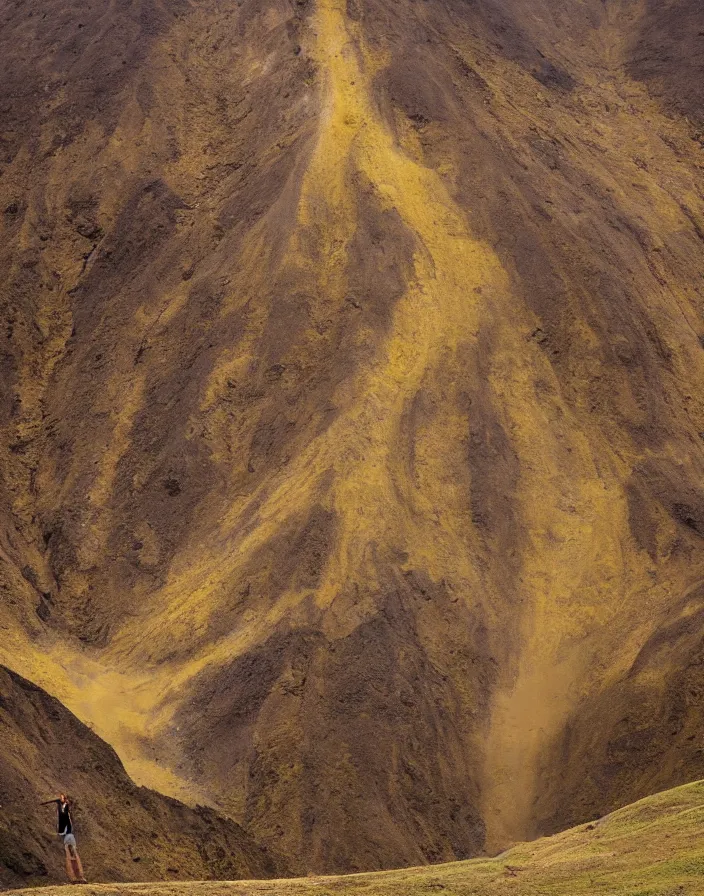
(65, 824)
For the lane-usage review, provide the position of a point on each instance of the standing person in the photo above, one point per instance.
(74, 868)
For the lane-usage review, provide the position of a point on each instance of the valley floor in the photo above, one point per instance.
(654, 847)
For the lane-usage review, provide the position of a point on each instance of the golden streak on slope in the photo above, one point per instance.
(444, 308)
(439, 312)
(574, 510)
(118, 706)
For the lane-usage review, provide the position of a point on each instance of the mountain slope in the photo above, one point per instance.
(352, 408)
(652, 847)
(124, 832)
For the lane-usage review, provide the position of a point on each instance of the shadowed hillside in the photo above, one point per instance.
(352, 410)
(124, 832)
(652, 847)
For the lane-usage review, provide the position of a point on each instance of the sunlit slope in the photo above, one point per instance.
(352, 450)
(126, 833)
(652, 847)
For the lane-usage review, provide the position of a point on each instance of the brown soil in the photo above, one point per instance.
(351, 413)
(123, 832)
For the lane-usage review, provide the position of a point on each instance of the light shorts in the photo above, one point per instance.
(69, 840)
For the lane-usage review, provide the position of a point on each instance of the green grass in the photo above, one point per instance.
(652, 848)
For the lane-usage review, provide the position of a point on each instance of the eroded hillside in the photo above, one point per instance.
(125, 832)
(352, 422)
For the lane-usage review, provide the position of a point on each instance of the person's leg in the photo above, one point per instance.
(69, 865)
(79, 866)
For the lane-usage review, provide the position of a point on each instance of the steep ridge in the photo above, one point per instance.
(351, 444)
(125, 832)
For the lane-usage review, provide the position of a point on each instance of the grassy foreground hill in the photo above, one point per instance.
(651, 848)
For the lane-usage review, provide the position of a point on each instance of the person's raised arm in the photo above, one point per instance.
(49, 802)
